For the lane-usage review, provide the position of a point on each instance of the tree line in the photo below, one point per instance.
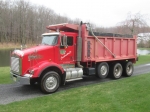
(23, 22)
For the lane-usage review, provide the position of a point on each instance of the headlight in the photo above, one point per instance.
(31, 71)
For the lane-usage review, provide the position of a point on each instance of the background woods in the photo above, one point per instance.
(23, 22)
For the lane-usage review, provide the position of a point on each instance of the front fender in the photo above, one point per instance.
(39, 68)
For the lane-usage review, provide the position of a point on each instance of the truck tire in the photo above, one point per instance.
(117, 71)
(128, 69)
(50, 82)
(102, 70)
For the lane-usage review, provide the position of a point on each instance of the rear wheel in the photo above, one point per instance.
(50, 82)
(102, 70)
(117, 71)
(128, 69)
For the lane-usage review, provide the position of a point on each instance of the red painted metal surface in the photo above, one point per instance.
(44, 56)
(40, 57)
(122, 47)
(64, 27)
(69, 57)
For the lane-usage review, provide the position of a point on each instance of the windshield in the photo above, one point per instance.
(49, 39)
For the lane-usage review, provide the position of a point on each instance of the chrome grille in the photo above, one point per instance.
(15, 64)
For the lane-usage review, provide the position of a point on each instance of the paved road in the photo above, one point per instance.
(15, 92)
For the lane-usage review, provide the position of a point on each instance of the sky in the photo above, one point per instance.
(104, 13)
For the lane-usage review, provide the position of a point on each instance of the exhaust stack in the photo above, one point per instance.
(79, 46)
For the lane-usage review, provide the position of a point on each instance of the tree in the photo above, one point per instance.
(22, 22)
(133, 24)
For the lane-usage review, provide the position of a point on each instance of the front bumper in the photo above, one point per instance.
(21, 80)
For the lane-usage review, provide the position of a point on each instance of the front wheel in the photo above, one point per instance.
(50, 82)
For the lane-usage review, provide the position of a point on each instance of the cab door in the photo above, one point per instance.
(67, 48)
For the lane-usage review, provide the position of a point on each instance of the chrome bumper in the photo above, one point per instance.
(21, 80)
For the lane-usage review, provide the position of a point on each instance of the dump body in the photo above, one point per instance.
(122, 48)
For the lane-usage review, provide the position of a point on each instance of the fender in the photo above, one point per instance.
(40, 67)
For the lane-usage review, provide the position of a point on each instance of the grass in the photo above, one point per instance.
(5, 75)
(12, 45)
(125, 95)
(143, 59)
(9, 46)
(144, 48)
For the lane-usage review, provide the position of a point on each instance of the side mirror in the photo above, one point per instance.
(63, 42)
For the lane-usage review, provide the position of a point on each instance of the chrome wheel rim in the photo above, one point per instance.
(129, 69)
(103, 70)
(51, 83)
(117, 71)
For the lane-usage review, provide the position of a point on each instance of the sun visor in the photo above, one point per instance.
(63, 27)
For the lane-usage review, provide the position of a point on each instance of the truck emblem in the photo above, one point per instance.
(62, 51)
(34, 56)
(65, 55)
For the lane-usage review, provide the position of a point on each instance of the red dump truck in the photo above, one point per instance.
(71, 51)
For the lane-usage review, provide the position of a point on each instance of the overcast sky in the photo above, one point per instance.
(104, 13)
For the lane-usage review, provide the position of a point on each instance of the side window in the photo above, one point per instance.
(69, 41)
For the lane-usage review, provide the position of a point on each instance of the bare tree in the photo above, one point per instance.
(22, 22)
(133, 24)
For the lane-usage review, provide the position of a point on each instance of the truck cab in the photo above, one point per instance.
(47, 63)
(63, 44)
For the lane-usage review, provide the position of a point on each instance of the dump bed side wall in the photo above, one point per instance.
(122, 48)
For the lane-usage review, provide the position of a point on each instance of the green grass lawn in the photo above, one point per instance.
(143, 59)
(5, 75)
(144, 48)
(125, 95)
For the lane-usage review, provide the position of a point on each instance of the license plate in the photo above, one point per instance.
(15, 79)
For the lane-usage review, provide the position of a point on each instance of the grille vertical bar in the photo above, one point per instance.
(15, 64)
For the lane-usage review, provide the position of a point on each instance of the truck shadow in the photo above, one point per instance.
(29, 90)
(85, 81)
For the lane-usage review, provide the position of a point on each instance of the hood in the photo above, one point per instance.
(32, 56)
(36, 49)
(32, 50)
